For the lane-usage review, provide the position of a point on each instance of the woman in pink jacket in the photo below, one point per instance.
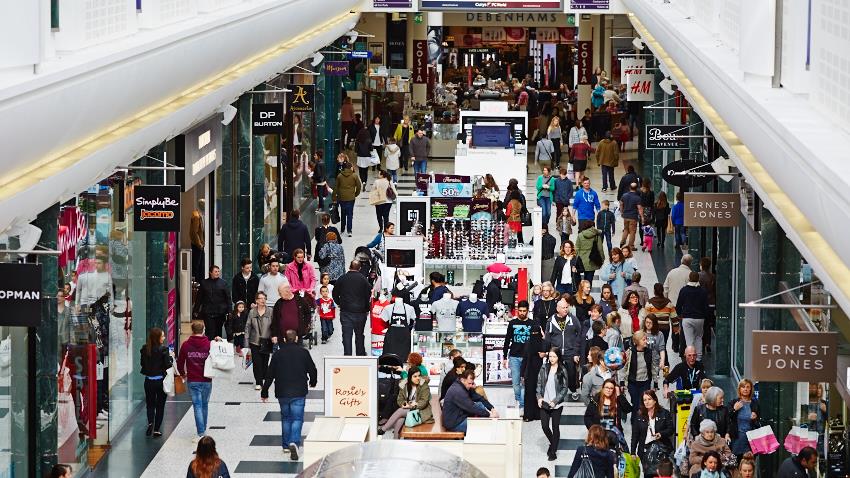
(300, 274)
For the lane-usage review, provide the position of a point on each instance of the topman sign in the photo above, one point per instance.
(20, 295)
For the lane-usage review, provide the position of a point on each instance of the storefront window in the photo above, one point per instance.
(271, 213)
(14, 459)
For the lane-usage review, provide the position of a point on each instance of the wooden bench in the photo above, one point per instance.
(431, 431)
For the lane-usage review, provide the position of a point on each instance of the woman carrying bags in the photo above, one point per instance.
(259, 336)
(552, 389)
(156, 360)
(743, 416)
(652, 433)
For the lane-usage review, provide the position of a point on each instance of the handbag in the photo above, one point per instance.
(413, 418)
(525, 217)
(585, 470)
(654, 454)
(669, 225)
(391, 195)
(335, 213)
(374, 159)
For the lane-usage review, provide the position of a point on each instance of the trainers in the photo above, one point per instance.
(196, 439)
(293, 452)
(349, 234)
(258, 387)
(604, 190)
(575, 396)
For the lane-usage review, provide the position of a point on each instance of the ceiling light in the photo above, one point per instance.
(317, 58)
(667, 85)
(228, 113)
(638, 43)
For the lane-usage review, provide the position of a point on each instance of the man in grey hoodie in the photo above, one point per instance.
(564, 332)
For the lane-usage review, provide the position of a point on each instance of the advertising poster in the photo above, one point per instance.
(495, 373)
(350, 394)
(450, 190)
(458, 208)
(550, 68)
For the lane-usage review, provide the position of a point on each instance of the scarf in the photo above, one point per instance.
(561, 321)
(300, 267)
(633, 312)
(693, 284)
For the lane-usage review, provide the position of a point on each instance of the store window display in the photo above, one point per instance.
(14, 456)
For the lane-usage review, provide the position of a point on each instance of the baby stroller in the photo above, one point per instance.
(370, 265)
(389, 376)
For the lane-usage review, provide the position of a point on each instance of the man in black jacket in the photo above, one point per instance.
(692, 306)
(291, 369)
(799, 466)
(518, 333)
(294, 235)
(213, 302)
(626, 181)
(245, 283)
(458, 405)
(352, 294)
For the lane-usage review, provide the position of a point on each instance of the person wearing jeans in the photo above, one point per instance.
(552, 388)
(190, 364)
(677, 217)
(518, 333)
(291, 369)
(458, 404)
(546, 190)
(692, 306)
(352, 293)
(348, 187)
(420, 149)
(155, 362)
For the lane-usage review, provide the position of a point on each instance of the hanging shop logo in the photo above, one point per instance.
(666, 136)
(712, 209)
(267, 118)
(73, 229)
(632, 66)
(361, 55)
(420, 62)
(590, 4)
(640, 87)
(336, 68)
(585, 62)
(300, 99)
(20, 295)
(510, 5)
(156, 208)
(783, 356)
(198, 151)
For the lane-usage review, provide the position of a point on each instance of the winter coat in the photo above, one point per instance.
(244, 290)
(630, 371)
(608, 153)
(618, 283)
(399, 131)
(214, 298)
(591, 384)
(584, 242)
(156, 363)
(701, 412)
(692, 303)
(699, 447)
(544, 151)
(561, 383)
(392, 154)
(563, 190)
(331, 258)
(423, 401)
(420, 148)
(307, 280)
(258, 326)
(294, 235)
(552, 186)
(663, 426)
(676, 279)
(602, 461)
(378, 195)
(558, 269)
(592, 416)
(348, 186)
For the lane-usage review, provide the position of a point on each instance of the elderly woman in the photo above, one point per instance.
(706, 441)
(712, 409)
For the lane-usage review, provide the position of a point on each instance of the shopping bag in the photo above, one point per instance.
(762, 440)
(209, 369)
(222, 355)
(585, 470)
(168, 382)
(799, 438)
(413, 418)
(179, 384)
(374, 159)
(335, 213)
(669, 225)
(629, 466)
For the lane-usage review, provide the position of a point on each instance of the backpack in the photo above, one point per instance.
(586, 468)
(595, 255)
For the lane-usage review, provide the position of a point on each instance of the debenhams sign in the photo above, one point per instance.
(780, 356)
(509, 19)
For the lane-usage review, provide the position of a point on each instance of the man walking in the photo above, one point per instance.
(213, 302)
(352, 293)
(291, 370)
(294, 235)
(245, 283)
(190, 364)
(677, 278)
(632, 211)
(348, 187)
(519, 331)
(585, 202)
(692, 307)
(271, 282)
(420, 149)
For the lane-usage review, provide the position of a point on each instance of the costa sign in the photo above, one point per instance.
(420, 61)
(585, 63)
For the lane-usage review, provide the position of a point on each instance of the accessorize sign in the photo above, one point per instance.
(712, 209)
(336, 68)
(20, 295)
(420, 62)
(585, 62)
(267, 118)
(666, 136)
(156, 208)
(300, 99)
(790, 356)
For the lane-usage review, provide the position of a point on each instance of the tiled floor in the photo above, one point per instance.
(247, 431)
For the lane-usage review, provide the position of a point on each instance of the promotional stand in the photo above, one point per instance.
(500, 146)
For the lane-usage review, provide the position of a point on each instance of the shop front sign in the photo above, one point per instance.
(712, 209)
(506, 19)
(585, 62)
(590, 4)
(691, 178)
(666, 136)
(300, 99)
(632, 66)
(201, 150)
(420, 62)
(156, 208)
(73, 229)
(556, 34)
(640, 87)
(20, 295)
(336, 68)
(500, 5)
(450, 190)
(267, 118)
(790, 356)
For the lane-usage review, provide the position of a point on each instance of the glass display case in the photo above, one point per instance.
(435, 347)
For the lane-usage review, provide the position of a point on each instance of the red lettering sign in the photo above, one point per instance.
(73, 228)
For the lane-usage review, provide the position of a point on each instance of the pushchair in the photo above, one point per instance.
(389, 376)
(370, 265)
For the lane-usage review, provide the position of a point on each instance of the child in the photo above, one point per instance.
(664, 469)
(235, 326)
(648, 237)
(327, 312)
(605, 222)
(324, 280)
(564, 224)
(629, 258)
(392, 154)
(536, 292)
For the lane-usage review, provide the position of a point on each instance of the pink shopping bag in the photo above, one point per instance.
(762, 440)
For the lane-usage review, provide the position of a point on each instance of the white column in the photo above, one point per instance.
(757, 39)
(537, 254)
(607, 33)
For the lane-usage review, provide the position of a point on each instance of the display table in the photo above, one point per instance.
(329, 434)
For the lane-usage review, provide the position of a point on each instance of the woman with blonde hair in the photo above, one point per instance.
(555, 134)
(743, 416)
(582, 300)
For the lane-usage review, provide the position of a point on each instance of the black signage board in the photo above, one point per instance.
(692, 178)
(412, 216)
(300, 99)
(267, 118)
(156, 208)
(20, 295)
(666, 136)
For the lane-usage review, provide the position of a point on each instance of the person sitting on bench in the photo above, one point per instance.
(458, 405)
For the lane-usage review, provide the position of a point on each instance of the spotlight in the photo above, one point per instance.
(667, 85)
(317, 58)
(721, 166)
(638, 43)
(352, 36)
(228, 113)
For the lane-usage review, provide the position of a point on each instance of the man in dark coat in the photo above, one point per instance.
(213, 302)
(294, 235)
(352, 293)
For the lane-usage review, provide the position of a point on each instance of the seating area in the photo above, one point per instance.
(431, 431)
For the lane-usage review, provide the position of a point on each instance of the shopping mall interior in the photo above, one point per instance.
(595, 204)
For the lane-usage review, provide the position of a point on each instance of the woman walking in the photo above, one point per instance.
(552, 388)
(609, 409)
(663, 310)
(567, 270)
(583, 301)
(381, 197)
(639, 369)
(320, 180)
(579, 154)
(555, 134)
(155, 361)
(654, 339)
(587, 237)
(545, 193)
(647, 201)
(392, 153)
(207, 464)
(514, 213)
(618, 272)
(743, 417)
(535, 353)
(596, 452)
(258, 334)
(652, 433)
(331, 258)
(661, 215)
(403, 135)
(363, 147)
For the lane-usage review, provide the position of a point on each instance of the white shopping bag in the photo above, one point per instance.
(209, 370)
(168, 382)
(222, 355)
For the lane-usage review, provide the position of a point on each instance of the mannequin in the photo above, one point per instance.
(446, 309)
(378, 305)
(400, 318)
(196, 236)
(472, 312)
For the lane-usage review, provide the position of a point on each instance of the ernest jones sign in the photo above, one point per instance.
(780, 356)
(712, 209)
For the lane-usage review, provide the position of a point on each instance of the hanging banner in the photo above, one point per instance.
(790, 356)
(640, 87)
(267, 118)
(20, 295)
(590, 4)
(336, 68)
(712, 209)
(156, 208)
(632, 66)
(501, 5)
(585, 63)
(73, 229)
(300, 99)
(420, 62)
(666, 136)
